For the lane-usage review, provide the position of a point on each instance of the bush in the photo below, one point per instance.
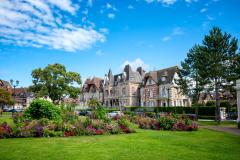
(210, 103)
(51, 133)
(168, 122)
(5, 130)
(100, 113)
(206, 111)
(40, 108)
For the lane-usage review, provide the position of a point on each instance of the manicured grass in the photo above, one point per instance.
(145, 144)
(6, 117)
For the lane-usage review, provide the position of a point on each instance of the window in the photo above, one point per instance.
(150, 81)
(151, 93)
(123, 91)
(163, 91)
(163, 79)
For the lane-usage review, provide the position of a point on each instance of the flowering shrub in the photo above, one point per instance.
(167, 122)
(148, 123)
(5, 130)
(124, 125)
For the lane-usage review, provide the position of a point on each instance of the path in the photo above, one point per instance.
(230, 130)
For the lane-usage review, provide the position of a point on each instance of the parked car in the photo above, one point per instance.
(115, 113)
(82, 113)
(16, 110)
(7, 109)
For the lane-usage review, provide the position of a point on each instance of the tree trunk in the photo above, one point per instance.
(217, 103)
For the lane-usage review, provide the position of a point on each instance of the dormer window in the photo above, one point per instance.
(150, 81)
(163, 79)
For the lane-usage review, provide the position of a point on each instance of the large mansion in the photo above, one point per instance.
(136, 88)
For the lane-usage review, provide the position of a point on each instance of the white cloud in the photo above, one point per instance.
(169, 2)
(65, 5)
(109, 6)
(90, 3)
(175, 32)
(135, 64)
(190, 1)
(99, 52)
(203, 10)
(38, 23)
(210, 18)
(130, 7)
(104, 30)
(164, 2)
(111, 15)
(166, 38)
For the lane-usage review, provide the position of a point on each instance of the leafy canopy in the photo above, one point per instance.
(55, 82)
(5, 97)
(213, 65)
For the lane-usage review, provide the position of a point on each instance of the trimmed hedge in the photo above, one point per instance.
(199, 110)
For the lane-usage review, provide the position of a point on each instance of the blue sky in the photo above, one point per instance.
(91, 36)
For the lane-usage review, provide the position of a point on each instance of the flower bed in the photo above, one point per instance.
(48, 128)
(44, 119)
(167, 122)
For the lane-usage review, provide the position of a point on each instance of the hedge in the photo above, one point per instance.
(200, 110)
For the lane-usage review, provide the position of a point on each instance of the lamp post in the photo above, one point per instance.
(14, 84)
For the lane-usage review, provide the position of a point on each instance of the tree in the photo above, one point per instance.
(189, 81)
(221, 61)
(214, 65)
(5, 98)
(55, 82)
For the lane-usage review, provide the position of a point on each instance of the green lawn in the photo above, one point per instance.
(145, 144)
(6, 117)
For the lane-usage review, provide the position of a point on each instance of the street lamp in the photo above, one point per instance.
(14, 84)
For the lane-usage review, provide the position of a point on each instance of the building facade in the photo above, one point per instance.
(6, 86)
(92, 89)
(123, 89)
(22, 98)
(159, 89)
(136, 88)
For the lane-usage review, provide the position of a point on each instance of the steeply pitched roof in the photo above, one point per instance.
(95, 81)
(127, 75)
(4, 83)
(157, 76)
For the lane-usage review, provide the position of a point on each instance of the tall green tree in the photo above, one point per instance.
(213, 65)
(190, 82)
(55, 82)
(5, 98)
(221, 61)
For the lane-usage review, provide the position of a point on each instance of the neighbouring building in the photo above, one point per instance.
(92, 89)
(123, 89)
(159, 89)
(22, 98)
(6, 86)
